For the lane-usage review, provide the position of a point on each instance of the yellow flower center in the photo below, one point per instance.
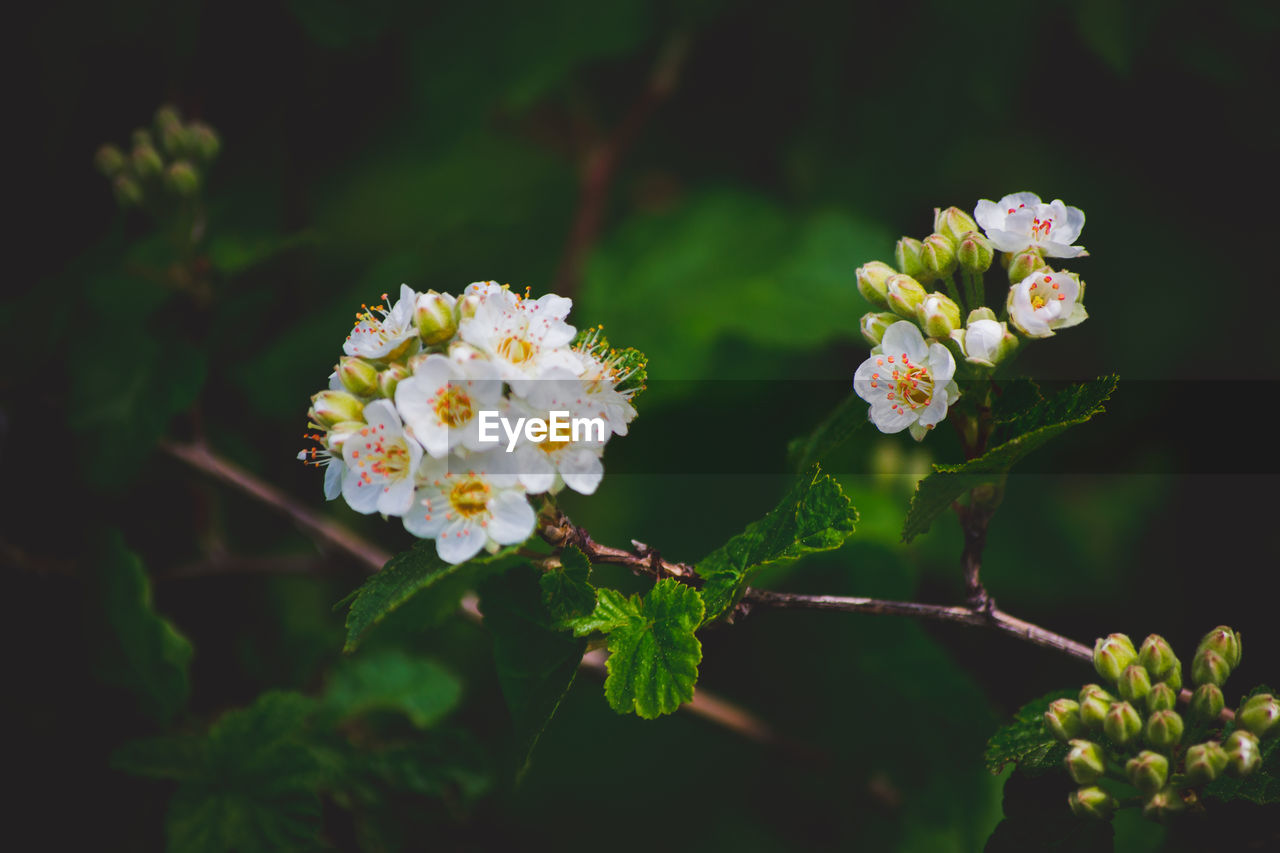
(515, 350)
(470, 497)
(453, 406)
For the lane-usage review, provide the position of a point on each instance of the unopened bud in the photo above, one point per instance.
(1111, 654)
(1243, 753)
(1209, 667)
(332, 407)
(202, 141)
(1092, 802)
(1134, 683)
(1024, 265)
(953, 223)
(1205, 762)
(1164, 729)
(873, 325)
(908, 256)
(1162, 698)
(939, 315)
(974, 253)
(127, 191)
(182, 179)
(1161, 804)
(905, 295)
(1207, 703)
(141, 138)
(1225, 642)
(1157, 656)
(1094, 704)
(109, 160)
(467, 306)
(1063, 719)
(390, 378)
(1122, 723)
(1085, 762)
(871, 282)
(358, 376)
(435, 318)
(146, 162)
(1148, 772)
(1260, 715)
(939, 255)
(167, 116)
(340, 432)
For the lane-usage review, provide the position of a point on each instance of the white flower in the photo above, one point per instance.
(465, 511)
(1021, 221)
(601, 375)
(984, 341)
(380, 463)
(383, 334)
(441, 401)
(547, 466)
(523, 337)
(908, 382)
(1045, 301)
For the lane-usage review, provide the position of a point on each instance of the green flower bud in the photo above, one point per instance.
(390, 378)
(1091, 802)
(1148, 772)
(109, 160)
(1173, 678)
(873, 326)
(1205, 762)
(975, 253)
(1111, 654)
(435, 318)
(1164, 729)
(1134, 683)
(1157, 656)
(1094, 704)
(146, 162)
(202, 141)
(953, 223)
(1207, 703)
(1063, 719)
(1161, 804)
(1209, 667)
(1024, 265)
(1122, 723)
(167, 116)
(1162, 698)
(358, 376)
(467, 306)
(339, 433)
(983, 313)
(939, 255)
(905, 295)
(127, 191)
(169, 127)
(1225, 642)
(1260, 715)
(182, 179)
(1085, 762)
(939, 315)
(1243, 753)
(332, 407)
(141, 138)
(871, 282)
(908, 256)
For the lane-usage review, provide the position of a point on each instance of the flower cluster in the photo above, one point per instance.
(399, 428)
(164, 163)
(908, 379)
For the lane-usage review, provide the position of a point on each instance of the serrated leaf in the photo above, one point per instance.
(567, 592)
(141, 651)
(412, 572)
(392, 680)
(536, 661)
(1044, 421)
(653, 652)
(1026, 741)
(843, 421)
(814, 515)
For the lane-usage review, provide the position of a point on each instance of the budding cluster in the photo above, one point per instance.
(1135, 724)
(166, 162)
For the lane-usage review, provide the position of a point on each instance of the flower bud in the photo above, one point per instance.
(1225, 642)
(339, 433)
(1207, 703)
(871, 282)
(873, 326)
(141, 138)
(1134, 683)
(1164, 729)
(908, 256)
(109, 160)
(1260, 715)
(127, 191)
(435, 318)
(1162, 698)
(169, 127)
(1024, 265)
(358, 376)
(1122, 723)
(939, 255)
(975, 253)
(331, 407)
(390, 378)
(1205, 762)
(1085, 762)
(1157, 656)
(1063, 719)
(467, 306)
(167, 116)
(146, 162)
(1243, 753)
(905, 295)
(1162, 804)
(181, 179)
(1148, 772)
(1209, 667)
(953, 223)
(203, 141)
(939, 315)
(1111, 654)
(1094, 704)
(1091, 802)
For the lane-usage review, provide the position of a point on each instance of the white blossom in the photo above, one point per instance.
(907, 381)
(380, 333)
(1045, 301)
(380, 463)
(1021, 221)
(465, 507)
(441, 401)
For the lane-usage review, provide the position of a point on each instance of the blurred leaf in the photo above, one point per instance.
(232, 253)
(536, 662)
(336, 24)
(815, 515)
(567, 592)
(1038, 820)
(1026, 741)
(1044, 421)
(178, 757)
(843, 421)
(409, 573)
(392, 680)
(142, 651)
(653, 653)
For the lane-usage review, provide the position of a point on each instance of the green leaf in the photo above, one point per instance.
(815, 515)
(567, 591)
(653, 653)
(1042, 422)
(231, 253)
(843, 421)
(177, 757)
(142, 651)
(392, 680)
(410, 573)
(536, 662)
(1026, 742)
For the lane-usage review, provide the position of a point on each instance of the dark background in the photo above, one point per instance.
(438, 144)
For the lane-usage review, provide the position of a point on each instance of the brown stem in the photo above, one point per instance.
(974, 520)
